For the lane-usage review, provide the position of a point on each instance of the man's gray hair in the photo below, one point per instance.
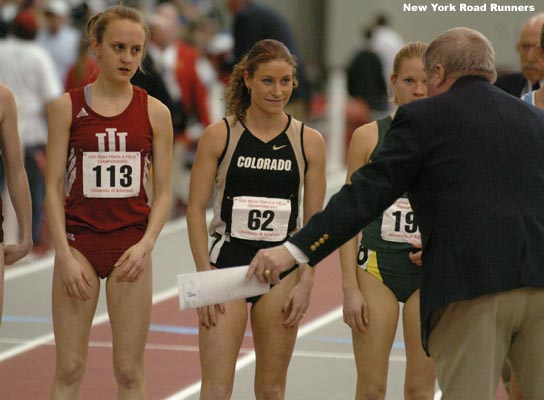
(462, 51)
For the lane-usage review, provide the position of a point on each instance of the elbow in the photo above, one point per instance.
(194, 211)
(162, 197)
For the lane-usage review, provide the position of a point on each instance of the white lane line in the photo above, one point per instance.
(109, 344)
(340, 355)
(26, 346)
(334, 181)
(18, 271)
(97, 320)
(21, 271)
(250, 358)
(303, 330)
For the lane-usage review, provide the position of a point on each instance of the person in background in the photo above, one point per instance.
(265, 167)
(526, 85)
(173, 54)
(30, 73)
(170, 74)
(8, 10)
(471, 158)
(253, 22)
(215, 46)
(103, 139)
(386, 268)
(367, 88)
(58, 37)
(385, 42)
(157, 75)
(531, 76)
(365, 79)
(536, 97)
(84, 70)
(17, 184)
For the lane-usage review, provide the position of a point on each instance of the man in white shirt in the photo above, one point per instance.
(385, 42)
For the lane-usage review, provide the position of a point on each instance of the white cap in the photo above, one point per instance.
(57, 7)
(222, 42)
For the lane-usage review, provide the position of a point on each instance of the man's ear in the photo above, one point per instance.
(440, 74)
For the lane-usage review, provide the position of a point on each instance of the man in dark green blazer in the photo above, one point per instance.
(471, 159)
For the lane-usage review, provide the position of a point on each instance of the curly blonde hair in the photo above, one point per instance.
(238, 98)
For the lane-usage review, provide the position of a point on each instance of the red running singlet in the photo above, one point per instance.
(108, 163)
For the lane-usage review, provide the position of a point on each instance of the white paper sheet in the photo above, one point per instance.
(198, 289)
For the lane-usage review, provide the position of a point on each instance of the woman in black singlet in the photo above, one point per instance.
(259, 160)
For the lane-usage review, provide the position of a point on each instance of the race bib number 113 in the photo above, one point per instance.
(111, 174)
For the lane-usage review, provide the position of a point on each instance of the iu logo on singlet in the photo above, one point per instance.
(112, 171)
(112, 136)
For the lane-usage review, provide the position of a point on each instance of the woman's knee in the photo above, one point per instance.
(129, 375)
(371, 391)
(419, 392)
(270, 392)
(215, 390)
(70, 370)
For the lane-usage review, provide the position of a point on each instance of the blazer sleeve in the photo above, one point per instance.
(373, 188)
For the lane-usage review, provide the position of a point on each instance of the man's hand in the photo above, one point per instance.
(415, 256)
(269, 263)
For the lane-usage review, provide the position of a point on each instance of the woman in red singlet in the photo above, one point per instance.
(17, 186)
(102, 140)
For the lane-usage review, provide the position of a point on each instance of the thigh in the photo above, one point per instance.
(2, 267)
(274, 342)
(420, 370)
(72, 318)
(469, 346)
(129, 309)
(527, 349)
(372, 348)
(219, 345)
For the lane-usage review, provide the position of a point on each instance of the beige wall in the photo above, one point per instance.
(344, 19)
(339, 32)
(328, 31)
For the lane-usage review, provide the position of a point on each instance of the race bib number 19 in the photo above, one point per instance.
(111, 174)
(260, 218)
(399, 224)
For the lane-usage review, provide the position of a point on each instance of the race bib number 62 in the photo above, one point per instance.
(260, 218)
(111, 174)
